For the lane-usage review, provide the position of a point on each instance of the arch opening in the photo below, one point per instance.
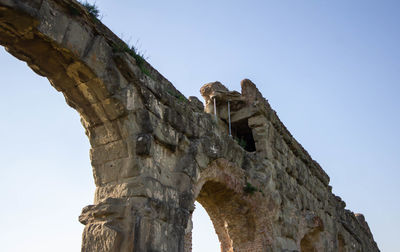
(203, 236)
(232, 219)
(309, 243)
(46, 170)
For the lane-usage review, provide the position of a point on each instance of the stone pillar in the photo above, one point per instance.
(139, 201)
(188, 236)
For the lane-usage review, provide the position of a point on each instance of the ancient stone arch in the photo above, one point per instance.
(154, 152)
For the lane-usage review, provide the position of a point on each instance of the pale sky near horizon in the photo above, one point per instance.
(330, 69)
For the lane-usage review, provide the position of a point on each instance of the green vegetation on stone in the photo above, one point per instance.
(92, 9)
(177, 95)
(94, 12)
(73, 11)
(135, 53)
(249, 188)
(241, 142)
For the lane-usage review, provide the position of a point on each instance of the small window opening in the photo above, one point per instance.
(243, 135)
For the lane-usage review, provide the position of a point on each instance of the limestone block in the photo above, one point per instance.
(103, 134)
(107, 210)
(286, 244)
(166, 135)
(258, 121)
(98, 87)
(77, 38)
(100, 237)
(111, 151)
(88, 93)
(129, 126)
(53, 22)
(99, 112)
(113, 107)
(196, 103)
(114, 170)
(34, 4)
(241, 114)
(133, 100)
(98, 56)
(187, 165)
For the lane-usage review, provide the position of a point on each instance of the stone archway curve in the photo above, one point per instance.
(220, 190)
(64, 50)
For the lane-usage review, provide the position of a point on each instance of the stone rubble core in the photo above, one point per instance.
(154, 152)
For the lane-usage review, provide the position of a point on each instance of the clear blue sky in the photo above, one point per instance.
(331, 70)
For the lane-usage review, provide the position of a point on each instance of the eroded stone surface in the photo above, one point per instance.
(154, 152)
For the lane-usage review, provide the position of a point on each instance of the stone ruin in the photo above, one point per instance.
(154, 152)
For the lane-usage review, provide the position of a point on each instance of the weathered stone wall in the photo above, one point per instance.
(154, 152)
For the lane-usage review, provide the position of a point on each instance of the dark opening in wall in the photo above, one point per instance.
(242, 133)
(341, 243)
